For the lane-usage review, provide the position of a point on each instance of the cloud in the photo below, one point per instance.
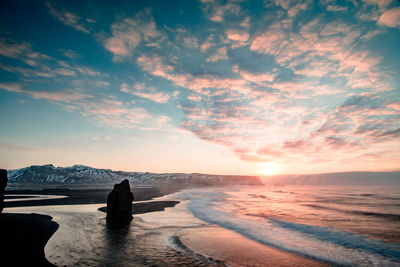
(217, 10)
(245, 23)
(113, 113)
(22, 52)
(12, 87)
(88, 71)
(41, 68)
(68, 18)
(390, 18)
(13, 50)
(191, 42)
(336, 8)
(257, 78)
(124, 41)
(106, 110)
(292, 7)
(207, 43)
(220, 54)
(323, 49)
(380, 3)
(281, 84)
(63, 96)
(18, 147)
(65, 72)
(128, 33)
(270, 42)
(237, 35)
(197, 83)
(147, 92)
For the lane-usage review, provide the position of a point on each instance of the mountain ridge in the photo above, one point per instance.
(78, 174)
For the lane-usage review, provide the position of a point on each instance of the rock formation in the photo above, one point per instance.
(23, 238)
(3, 184)
(119, 205)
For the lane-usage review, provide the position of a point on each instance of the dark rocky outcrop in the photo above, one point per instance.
(3, 184)
(119, 205)
(23, 238)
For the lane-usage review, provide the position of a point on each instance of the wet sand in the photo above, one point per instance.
(78, 196)
(24, 236)
(201, 245)
(149, 206)
(236, 250)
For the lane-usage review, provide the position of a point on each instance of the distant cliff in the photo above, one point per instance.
(79, 174)
(339, 178)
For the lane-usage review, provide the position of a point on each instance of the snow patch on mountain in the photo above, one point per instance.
(86, 175)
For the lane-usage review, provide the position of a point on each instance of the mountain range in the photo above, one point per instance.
(79, 174)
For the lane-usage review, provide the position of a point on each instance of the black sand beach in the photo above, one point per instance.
(77, 196)
(24, 236)
(140, 243)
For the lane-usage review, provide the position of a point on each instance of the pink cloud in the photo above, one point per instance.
(65, 72)
(209, 42)
(150, 93)
(123, 43)
(63, 96)
(88, 71)
(245, 23)
(258, 78)
(390, 18)
(380, 3)
(395, 105)
(336, 8)
(128, 34)
(216, 11)
(191, 42)
(198, 84)
(12, 87)
(292, 7)
(323, 50)
(269, 42)
(68, 18)
(220, 54)
(13, 50)
(237, 35)
(66, 96)
(112, 113)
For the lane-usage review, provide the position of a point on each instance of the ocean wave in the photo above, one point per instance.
(388, 216)
(321, 243)
(176, 243)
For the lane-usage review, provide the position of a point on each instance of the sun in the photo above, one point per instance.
(268, 168)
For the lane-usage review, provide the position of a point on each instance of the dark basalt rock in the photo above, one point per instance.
(23, 238)
(119, 205)
(3, 184)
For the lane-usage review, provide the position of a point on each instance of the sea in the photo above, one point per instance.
(330, 225)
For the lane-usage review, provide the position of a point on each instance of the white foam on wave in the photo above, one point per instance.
(322, 243)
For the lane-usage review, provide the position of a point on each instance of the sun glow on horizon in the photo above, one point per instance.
(268, 168)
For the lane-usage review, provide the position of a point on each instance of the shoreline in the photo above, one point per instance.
(25, 235)
(79, 196)
(234, 249)
(207, 243)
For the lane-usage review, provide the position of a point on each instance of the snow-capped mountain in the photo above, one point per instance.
(86, 175)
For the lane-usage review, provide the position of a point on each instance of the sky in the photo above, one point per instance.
(222, 87)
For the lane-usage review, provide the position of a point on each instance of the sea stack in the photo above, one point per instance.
(119, 205)
(3, 184)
